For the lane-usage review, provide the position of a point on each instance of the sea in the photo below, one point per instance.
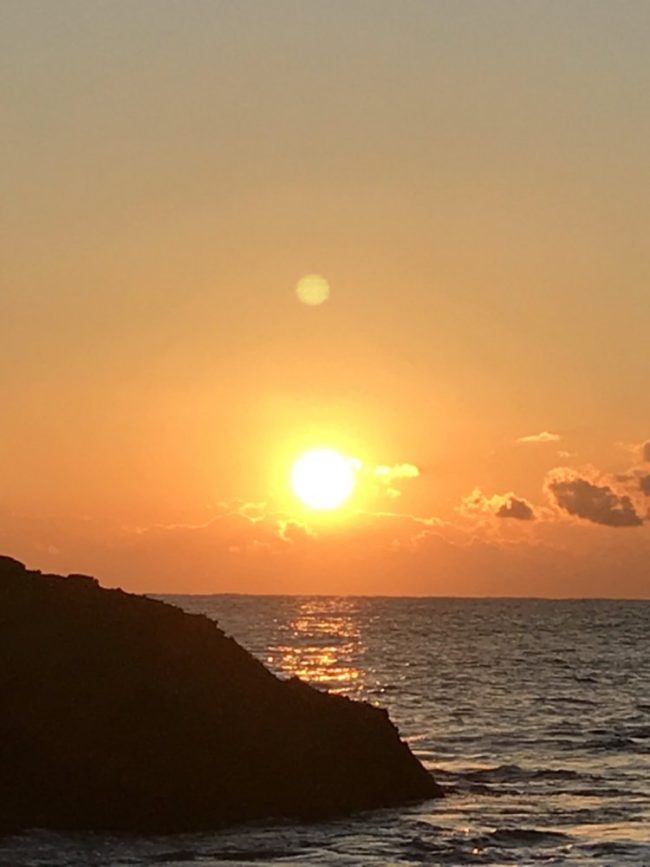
(533, 714)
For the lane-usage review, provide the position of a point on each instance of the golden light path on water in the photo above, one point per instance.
(323, 644)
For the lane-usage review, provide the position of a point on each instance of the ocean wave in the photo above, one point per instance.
(463, 788)
(528, 837)
(571, 699)
(508, 773)
(611, 744)
(624, 853)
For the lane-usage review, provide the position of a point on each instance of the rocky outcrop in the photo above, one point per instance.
(123, 712)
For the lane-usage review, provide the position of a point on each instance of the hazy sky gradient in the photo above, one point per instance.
(473, 180)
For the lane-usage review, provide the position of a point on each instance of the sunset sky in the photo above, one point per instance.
(472, 179)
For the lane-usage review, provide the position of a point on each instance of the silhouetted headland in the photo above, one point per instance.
(125, 713)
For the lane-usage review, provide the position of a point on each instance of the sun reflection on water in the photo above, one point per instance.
(323, 645)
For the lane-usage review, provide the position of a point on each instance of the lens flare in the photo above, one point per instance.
(312, 289)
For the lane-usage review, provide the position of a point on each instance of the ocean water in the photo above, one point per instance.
(534, 715)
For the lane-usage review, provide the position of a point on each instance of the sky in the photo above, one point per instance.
(471, 178)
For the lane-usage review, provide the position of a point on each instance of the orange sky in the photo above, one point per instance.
(472, 180)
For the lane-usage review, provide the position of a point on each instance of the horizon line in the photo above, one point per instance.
(421, 596)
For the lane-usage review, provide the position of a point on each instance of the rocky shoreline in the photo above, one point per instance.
(122, 712)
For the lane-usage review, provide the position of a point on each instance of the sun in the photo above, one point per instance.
(323, 478)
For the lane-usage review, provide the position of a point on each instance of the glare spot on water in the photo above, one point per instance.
(323, 645)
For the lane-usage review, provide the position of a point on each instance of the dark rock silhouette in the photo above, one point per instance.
(125, 713)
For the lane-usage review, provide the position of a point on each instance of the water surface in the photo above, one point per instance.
(533, 714)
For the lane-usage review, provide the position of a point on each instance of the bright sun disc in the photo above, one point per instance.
(323, 478)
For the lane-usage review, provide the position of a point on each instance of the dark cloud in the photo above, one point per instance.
(597, 503)
(499, 505)
(644, 484)
(645, 451)
(515, 508)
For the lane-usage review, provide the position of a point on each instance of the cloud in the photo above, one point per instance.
(293, 531)
(386, 476)
(644, 484)
(516, 508)
(543, 437)
(397, 471)
(598, 503)
(500, 505)
(252, 511)
(645, 451)
(381, 552)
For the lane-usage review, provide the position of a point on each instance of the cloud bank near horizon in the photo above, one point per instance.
(498, 544)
